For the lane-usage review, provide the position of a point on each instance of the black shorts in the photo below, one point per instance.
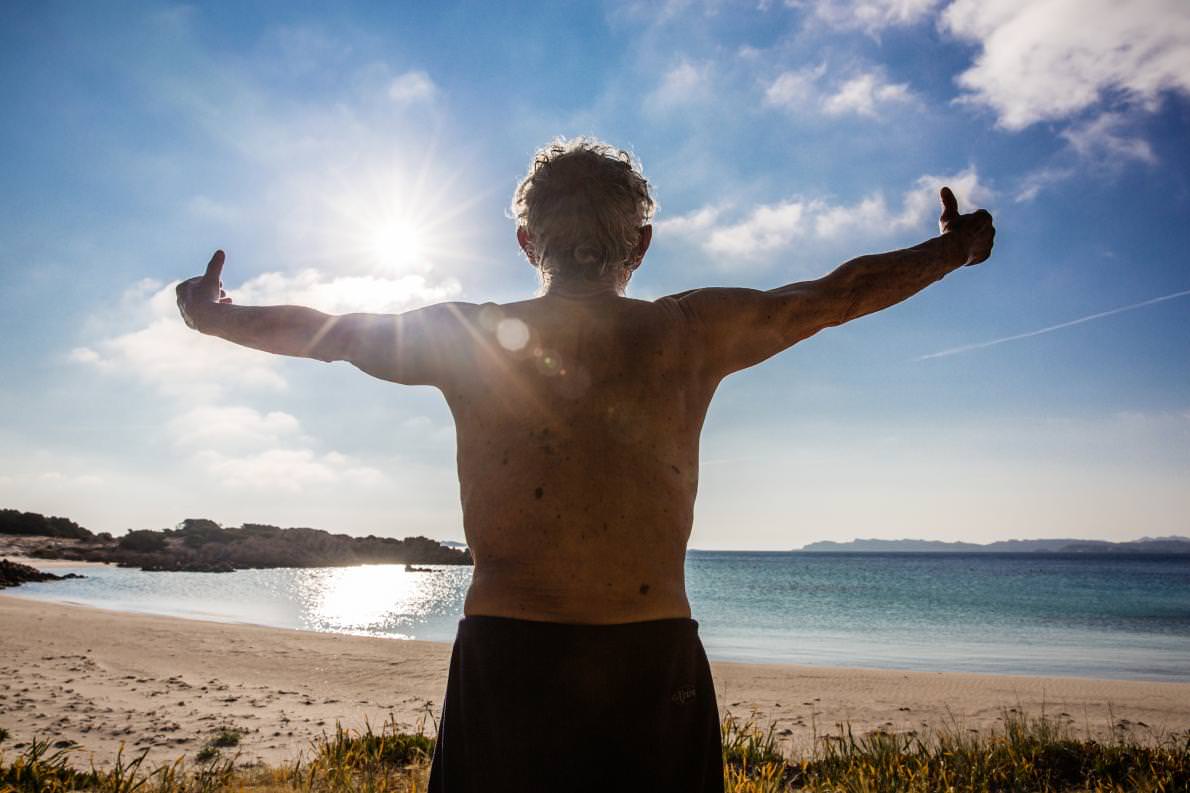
(542, 706)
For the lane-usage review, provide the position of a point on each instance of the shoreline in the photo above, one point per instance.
(714, 660)
(34, 561)
(101, 678)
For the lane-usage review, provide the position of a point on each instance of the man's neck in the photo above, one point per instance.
(582, 289)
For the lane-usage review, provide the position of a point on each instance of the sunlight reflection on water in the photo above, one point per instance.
(1088, 615)
(374, 599)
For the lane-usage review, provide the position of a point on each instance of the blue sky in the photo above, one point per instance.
(363, 157)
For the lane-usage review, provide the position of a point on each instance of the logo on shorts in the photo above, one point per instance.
(683, 695)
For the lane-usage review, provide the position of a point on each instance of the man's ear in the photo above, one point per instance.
(525, 241)
(642, 246)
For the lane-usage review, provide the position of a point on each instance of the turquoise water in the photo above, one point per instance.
(1047, 614)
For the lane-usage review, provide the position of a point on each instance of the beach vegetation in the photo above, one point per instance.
(206, 753)
(34, 524)
(1038, 755)
(225, 737)
(39, 768)
(142, 541)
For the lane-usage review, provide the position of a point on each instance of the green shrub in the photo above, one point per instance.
(142, 541)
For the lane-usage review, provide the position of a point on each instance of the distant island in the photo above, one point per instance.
(1153, 545)
(202, 545)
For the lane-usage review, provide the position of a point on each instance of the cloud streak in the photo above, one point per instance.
(1052, 328)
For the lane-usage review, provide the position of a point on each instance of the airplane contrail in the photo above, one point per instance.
(1051, 328)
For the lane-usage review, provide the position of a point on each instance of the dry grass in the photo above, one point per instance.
(1025, 754)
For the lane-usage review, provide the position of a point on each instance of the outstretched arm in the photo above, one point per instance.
(742, 327)
(414, 348)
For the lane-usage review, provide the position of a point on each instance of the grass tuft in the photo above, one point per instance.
(1023, 754)
(226, 737)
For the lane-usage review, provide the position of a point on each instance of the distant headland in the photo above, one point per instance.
(1149, 545)
(202, 545)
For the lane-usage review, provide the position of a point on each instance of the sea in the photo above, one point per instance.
(1084, 615)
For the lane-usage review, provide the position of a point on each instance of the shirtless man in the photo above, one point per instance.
(578, 413)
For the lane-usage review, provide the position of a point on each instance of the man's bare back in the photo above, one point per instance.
(578, 457)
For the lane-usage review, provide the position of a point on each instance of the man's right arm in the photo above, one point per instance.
(418, 347)
(739, 328)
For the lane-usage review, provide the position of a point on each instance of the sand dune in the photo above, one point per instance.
(102, 678)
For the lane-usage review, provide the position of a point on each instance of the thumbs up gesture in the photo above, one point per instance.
(974, 233)
(202, 291)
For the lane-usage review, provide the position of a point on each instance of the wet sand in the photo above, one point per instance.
(103, 678)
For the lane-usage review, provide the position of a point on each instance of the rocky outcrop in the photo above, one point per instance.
(14, 574)
(201, 545)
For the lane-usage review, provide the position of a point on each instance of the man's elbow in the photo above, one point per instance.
(335, 338)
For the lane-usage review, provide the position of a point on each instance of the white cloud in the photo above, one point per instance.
(867, 15)
(410, 87)
(425, 428)
(177, 361)
(691, 223)
(868, 213)
(921, 203)
(1036, 181)
(235, 426)
(1103, 139)
(246, 449)
(209, 209)
(768, 228)
(864, 94)
(795, 88)
(287, 470)
(1051, 59)
(345, 293)
(1101, 144)
(84, 355)
(683, 84)
(57, 479)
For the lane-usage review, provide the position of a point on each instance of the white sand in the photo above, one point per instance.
(102, 678)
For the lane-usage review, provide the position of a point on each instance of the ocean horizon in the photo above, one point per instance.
(1120, 616)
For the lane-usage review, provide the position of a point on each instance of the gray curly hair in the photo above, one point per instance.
(583, 204)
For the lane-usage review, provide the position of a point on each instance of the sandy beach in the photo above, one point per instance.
(103, 678)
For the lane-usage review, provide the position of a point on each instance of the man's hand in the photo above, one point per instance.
(973, 233)
(202, 291)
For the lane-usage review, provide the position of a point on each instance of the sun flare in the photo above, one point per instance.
(397, 244)
(389, 219)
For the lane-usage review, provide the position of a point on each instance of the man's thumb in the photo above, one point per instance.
(214, 268)
(950, 205)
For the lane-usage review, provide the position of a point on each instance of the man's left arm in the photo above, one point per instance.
(742, 327)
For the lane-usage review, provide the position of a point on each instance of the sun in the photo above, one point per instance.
(397, 244)
(387, 217)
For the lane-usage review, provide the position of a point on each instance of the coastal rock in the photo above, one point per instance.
(15, 574)
(199, 545)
